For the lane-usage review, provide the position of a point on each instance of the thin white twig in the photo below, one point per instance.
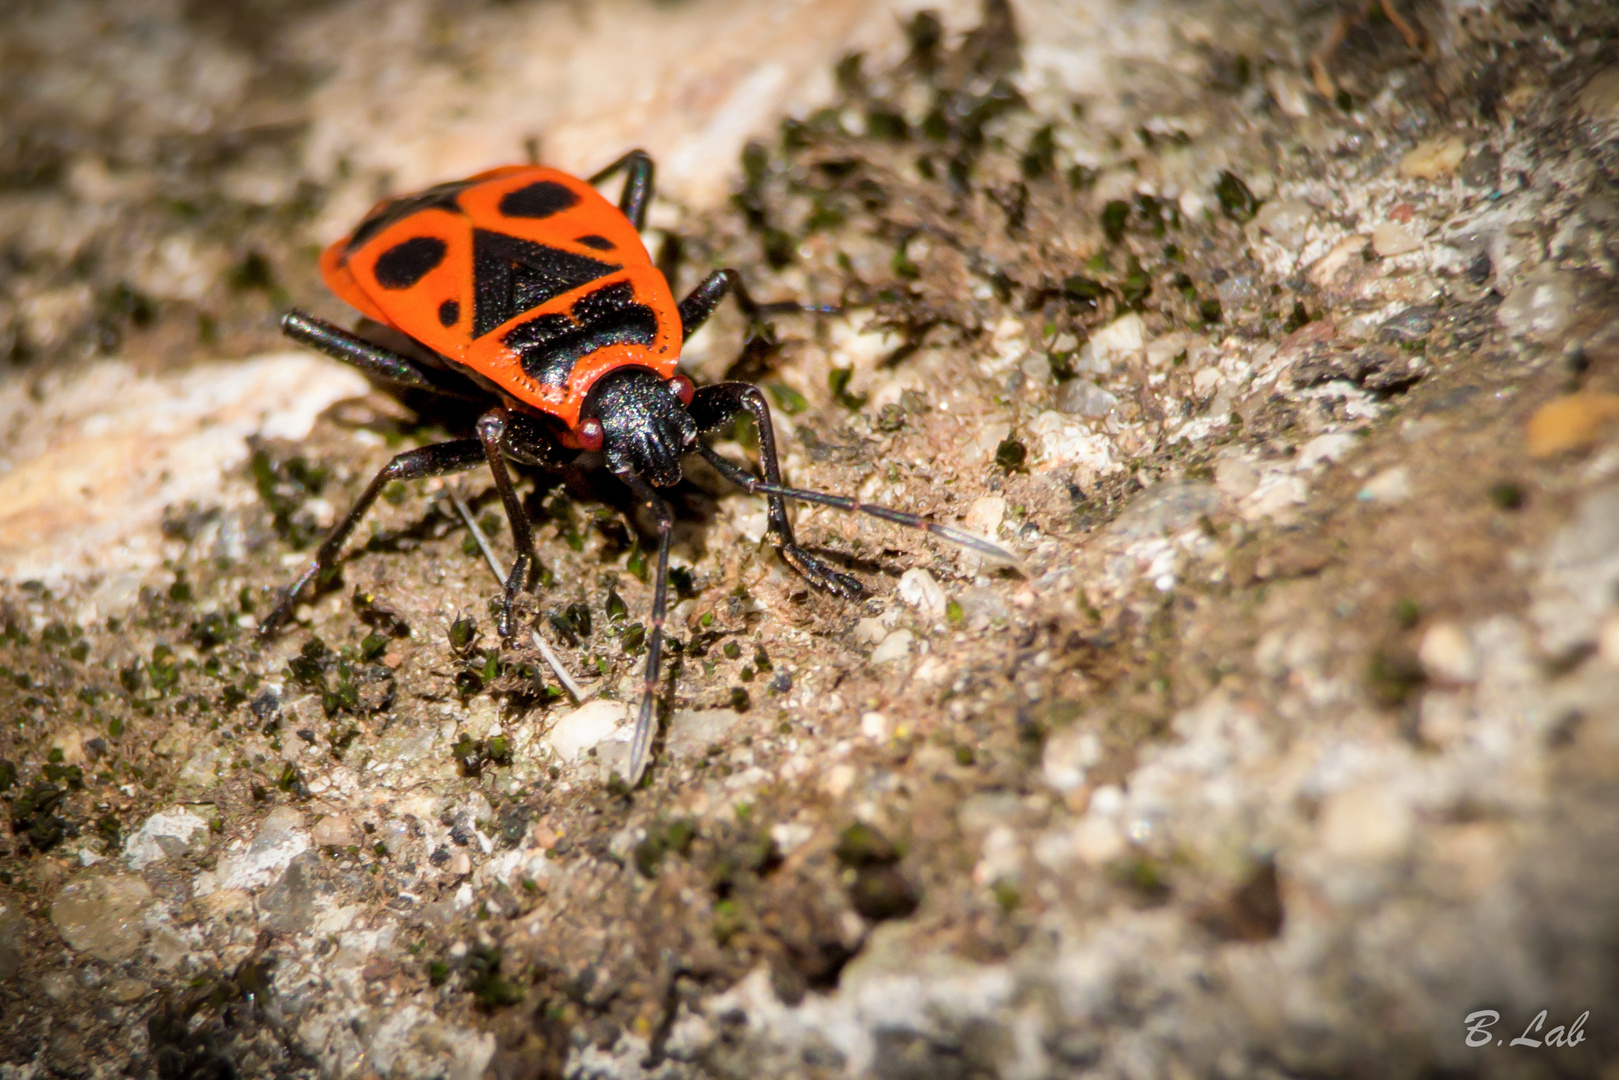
(477, 534)
(579, 693)
(568, 682)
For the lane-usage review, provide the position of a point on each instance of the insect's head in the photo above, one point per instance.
(640, 421)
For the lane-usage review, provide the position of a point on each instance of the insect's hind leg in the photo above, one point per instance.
(381, 363)
(436, 460)
(715, 405)
(700, 303)
(637, 193)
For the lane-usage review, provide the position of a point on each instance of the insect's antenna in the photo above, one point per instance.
(754, 486)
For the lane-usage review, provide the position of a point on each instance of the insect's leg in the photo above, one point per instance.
(701, 302)
(713, 406)
(381, 363)
(437, 460)
(646, 718)
(492, 427)
(637, 193)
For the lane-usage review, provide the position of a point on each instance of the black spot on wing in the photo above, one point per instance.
(550, 345)
(540, 199)
(449, 313)
(438, 197)
(512, 275)
(408, 261)
(600, 243)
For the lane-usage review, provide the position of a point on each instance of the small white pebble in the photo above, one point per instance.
(919, 589)
(1448, 654)
(874, 726)
(1389, 486)
(896, 646)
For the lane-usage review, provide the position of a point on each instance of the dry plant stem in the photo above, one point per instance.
(1319, 74)
(568, 682)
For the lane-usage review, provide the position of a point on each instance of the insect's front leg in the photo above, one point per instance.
(450, 457)
(715, 405)
(700, 303)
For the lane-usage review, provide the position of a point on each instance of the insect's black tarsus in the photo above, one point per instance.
(715, 406)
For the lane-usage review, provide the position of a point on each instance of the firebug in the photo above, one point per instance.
(532, 295)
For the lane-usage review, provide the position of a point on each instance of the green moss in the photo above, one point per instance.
(1011, 454)
(862, 845)
(1040, 157)
(486, 984)
(1137, 284)
(675, 836)
(373, 647)
(34, 816)
(161, 670)
(1115, 215)
(1508, 495)
(1392, 676)
(1236, 200)
(837, 380)
(462, 633)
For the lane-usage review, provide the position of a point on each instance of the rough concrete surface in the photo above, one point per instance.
(1279, 343)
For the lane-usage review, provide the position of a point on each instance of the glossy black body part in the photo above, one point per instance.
(647, 425)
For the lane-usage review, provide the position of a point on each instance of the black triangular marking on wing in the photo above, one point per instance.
(438, 197)
(549, 345)
(512, 275)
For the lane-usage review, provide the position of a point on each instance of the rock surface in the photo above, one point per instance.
(1286, 745)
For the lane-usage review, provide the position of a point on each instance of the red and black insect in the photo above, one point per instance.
(535, 296)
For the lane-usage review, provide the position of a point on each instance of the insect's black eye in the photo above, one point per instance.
(590, 434)
(683, 388)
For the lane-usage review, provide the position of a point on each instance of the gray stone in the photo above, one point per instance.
(1542, 306)
(1579, 577)
(165, 835)
(1285, 221)
(1081, 397)
(288, 906)
(99, 915)
(692, 731)
(1165, 508)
